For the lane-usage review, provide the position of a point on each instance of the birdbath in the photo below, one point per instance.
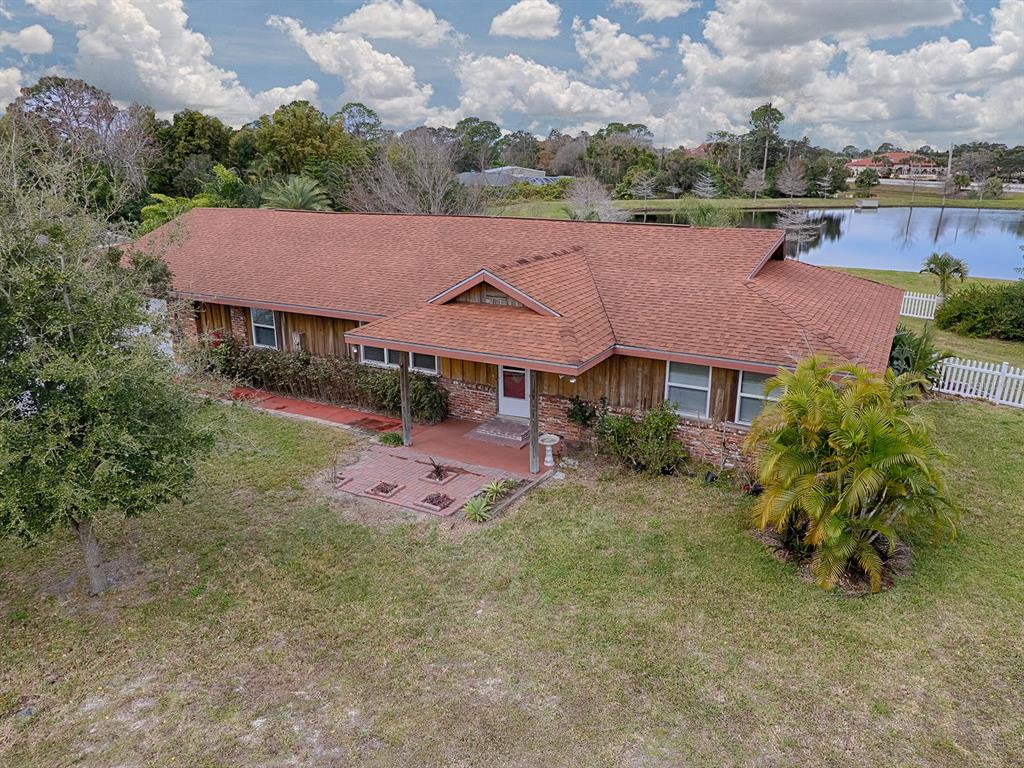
(548, 441)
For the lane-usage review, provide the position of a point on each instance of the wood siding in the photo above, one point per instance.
(725, 384)
(321, 336)
(626, 382)
(469, 372)
(477, 294)
(213, 317)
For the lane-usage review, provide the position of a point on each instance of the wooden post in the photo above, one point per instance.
(403, 382)
(534, 383)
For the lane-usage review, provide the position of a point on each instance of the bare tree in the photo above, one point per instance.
(644, 186)
(791, 179)
(588, 200)
(415, 174)
(705, 186)
(568, 159)
(799, 226)
(754, 184)
(105, 151)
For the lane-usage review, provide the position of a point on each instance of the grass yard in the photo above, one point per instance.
(887, 197)
(604, 623)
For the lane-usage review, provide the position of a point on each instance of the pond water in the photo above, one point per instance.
(901, 238)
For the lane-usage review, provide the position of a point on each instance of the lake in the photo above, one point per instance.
(901, 238)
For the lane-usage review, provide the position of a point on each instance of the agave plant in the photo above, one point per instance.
(495, 489)
(848, 468)
(477, 509)
(299, 193)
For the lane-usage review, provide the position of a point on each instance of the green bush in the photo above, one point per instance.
(582, 412)
(477, 509)
(985, 309)
(332, 380)
(390, 438)
(523, 191)
(916, 353)
(647, 445)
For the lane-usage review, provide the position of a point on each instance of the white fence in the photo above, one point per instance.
(921, 305)
(997, 382)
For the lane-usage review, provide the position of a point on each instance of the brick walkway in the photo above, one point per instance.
(407, 470)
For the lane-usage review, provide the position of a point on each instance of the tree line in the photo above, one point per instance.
(301, 157)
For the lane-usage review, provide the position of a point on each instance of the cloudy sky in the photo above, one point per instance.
(843, 71)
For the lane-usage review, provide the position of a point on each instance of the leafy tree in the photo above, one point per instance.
(360, 121)
(848, 468)
(294, 134)
(764, 123)
(163, 209)
(94, 419)
(946, 268)
(478, 140)
(885, 146)
(188, 135)
(993, 187)
(518, 148)
(243, 152)
(195, 172)
(867, 179)
(298, 193)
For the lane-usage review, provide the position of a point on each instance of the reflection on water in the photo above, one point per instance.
(901, 238)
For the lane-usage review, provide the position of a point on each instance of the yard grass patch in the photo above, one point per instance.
(620, 622)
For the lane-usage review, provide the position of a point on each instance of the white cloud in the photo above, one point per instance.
(10, 85)
(394, 20)
(607, 52)
(34, 39)
(534, 19)
(657, 10)
(4, 13)
(144, 50)
(502, 88)
(755, 50)
(381, 80)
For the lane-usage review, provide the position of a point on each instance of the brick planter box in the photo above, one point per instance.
(437, 509)
(372, 490)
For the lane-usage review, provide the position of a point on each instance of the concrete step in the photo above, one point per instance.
(502, 431)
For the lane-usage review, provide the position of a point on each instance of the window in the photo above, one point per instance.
(264, 328)
(392, 358)
(688, 388)
(751, 397)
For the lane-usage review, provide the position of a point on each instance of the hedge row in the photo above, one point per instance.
(985, 309)
(331, 379)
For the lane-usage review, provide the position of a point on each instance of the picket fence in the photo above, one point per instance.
(922, 305)
(997, 382)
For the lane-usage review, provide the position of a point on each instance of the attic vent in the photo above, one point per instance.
(496, 297)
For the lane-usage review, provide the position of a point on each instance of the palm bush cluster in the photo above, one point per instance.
(848, 468)
(916, 353)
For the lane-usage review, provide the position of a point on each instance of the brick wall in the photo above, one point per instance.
(716, 444)
(184, 326)
(239, 325)
(473, 402)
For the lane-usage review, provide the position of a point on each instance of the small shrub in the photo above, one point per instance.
(438, 471)
(581, 412)
(648, 445)
(916, 353)
(495, 489)
(993, 310)
(390, 438)
(477, 509)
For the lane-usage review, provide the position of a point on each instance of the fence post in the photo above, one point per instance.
(1004, 373)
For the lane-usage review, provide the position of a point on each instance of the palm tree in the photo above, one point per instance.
(298, 193)
(945, 267)
(848, 468)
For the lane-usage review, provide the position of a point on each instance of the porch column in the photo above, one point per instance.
(534, 421)
(403, 385)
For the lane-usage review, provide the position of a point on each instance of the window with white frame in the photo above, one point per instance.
(688, 388)
(392, 358)
(751, 397)
(264, 328)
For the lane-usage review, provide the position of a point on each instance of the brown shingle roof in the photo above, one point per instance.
(640, 288)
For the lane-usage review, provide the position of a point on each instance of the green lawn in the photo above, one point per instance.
(886, 196)
(603, 623)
